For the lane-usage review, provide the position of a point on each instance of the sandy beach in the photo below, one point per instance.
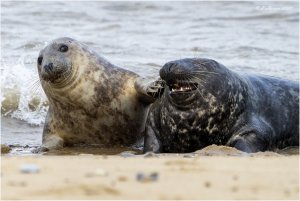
(171, 176)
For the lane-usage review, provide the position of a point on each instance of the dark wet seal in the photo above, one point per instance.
(205, 103)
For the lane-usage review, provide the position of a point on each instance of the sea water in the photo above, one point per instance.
(254, 37)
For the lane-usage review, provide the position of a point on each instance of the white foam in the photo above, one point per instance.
(23, 99)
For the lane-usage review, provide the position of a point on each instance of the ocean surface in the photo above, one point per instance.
(254, 37)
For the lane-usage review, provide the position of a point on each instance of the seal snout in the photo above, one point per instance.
(55, 71)
(176, 77)
(170, 69)
(48, 67)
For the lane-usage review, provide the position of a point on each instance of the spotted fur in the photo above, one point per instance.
(92, 102)
(252, 113)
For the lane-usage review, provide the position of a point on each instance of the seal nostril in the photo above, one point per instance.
(166, 69)
(170, 66)
(49, 67)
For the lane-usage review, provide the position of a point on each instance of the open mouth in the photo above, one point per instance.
(183, 87)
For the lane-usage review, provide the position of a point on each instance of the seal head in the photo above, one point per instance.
(56, 66)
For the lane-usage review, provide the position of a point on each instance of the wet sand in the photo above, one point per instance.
(202, 175)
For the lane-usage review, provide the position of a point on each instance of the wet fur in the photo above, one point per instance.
(252, 113)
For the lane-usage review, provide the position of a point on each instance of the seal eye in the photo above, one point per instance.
(40, 60)
(63, 48)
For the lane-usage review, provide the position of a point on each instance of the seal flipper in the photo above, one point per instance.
(151, 143)
(149, 88)
(249, 143)
(50, 140)
(253, 137)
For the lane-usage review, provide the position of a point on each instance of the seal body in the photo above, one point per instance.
(205, 103)
(91, 101)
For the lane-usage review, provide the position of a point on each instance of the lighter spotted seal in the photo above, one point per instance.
(91, 101)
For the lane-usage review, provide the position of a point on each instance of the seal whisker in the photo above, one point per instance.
(32, 82)
(205, 72)
(204, 75)
(32, 79)
(159, 91)
(49, 89)
(197, 88)
(35, 86)
(202, 71)
(189, 81)
(161, 88)
(206, 62)
(32, 85)
(201, 81)
(203, 64)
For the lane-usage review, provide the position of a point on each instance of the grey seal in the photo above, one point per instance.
(91, 101)
(205, 103)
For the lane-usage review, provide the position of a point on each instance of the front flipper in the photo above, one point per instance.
(149, 88)
(50, 139)
(249, 143)
(151, 143)
(254, 136)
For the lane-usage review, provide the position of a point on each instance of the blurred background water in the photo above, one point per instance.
(256, 37)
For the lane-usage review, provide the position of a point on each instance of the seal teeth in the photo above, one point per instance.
(183, 87)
